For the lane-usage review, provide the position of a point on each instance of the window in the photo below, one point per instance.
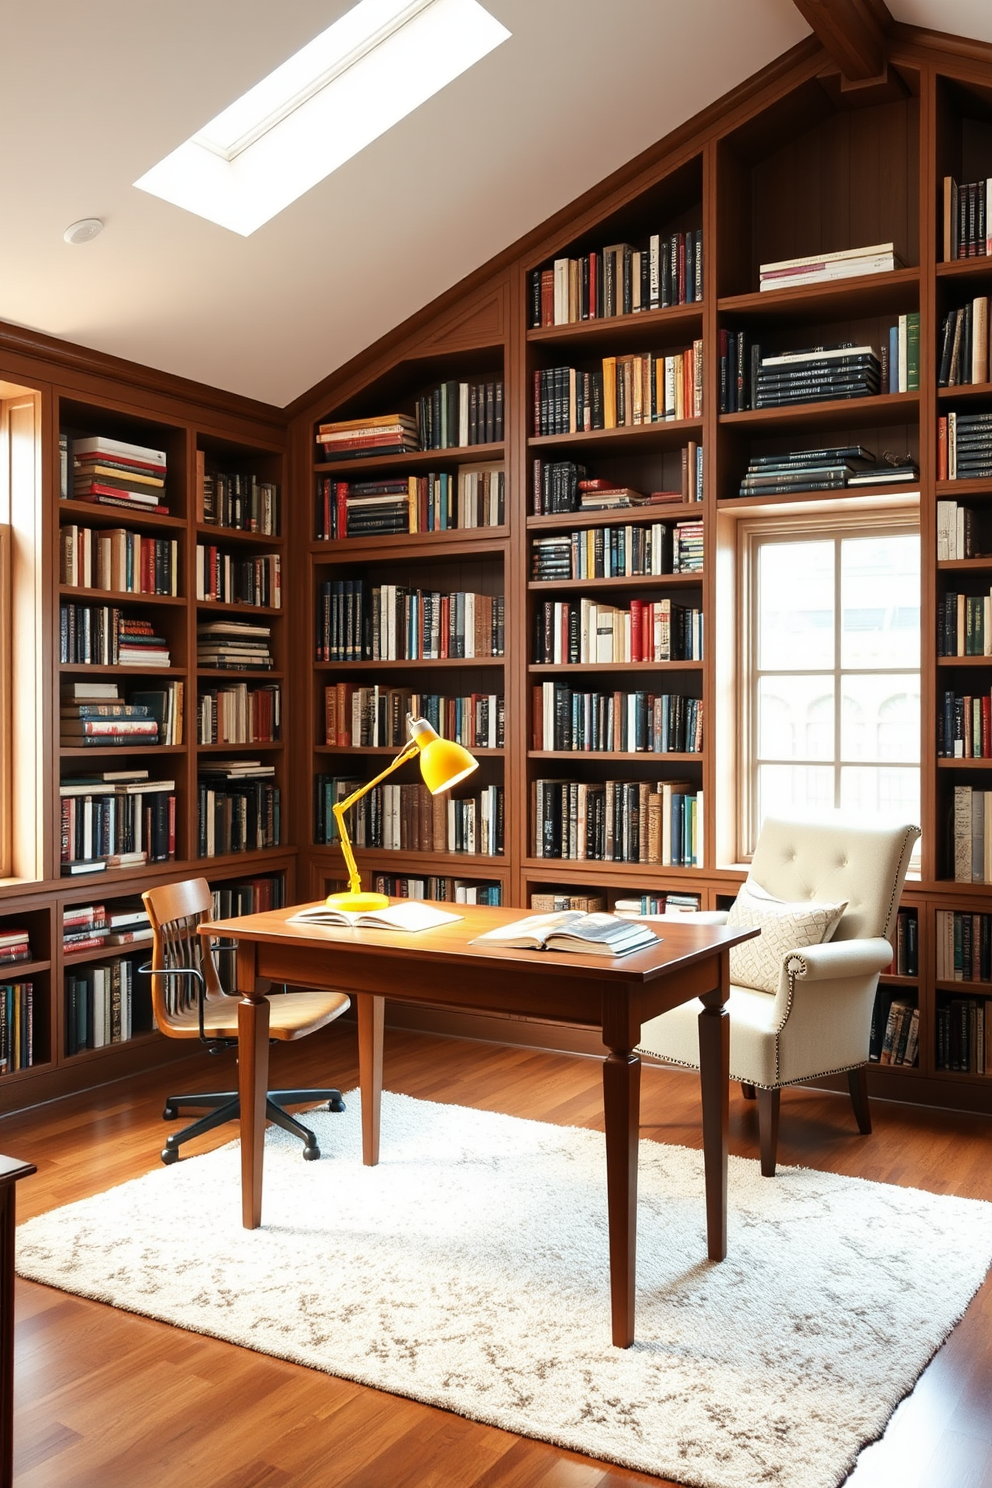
(831, 669)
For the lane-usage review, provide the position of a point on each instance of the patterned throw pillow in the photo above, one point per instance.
(784, 927)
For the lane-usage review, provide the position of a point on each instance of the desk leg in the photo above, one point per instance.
(253, 1083)
(371, 1018)
(621, 1105)
(714, 1079)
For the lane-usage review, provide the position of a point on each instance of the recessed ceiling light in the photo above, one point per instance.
(376, 64)
(83, 231)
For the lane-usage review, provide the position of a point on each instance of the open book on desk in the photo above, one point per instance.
(412, 915)
(571, 930)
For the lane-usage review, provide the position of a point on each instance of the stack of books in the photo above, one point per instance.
(362, 438)
(890, 470)
(819, 268)
(458, 414)
(619, 280)
(964, 446)
(15, 945)
(87, 927)
(138, 644)
(109, 472)
(964, 345)
(233, 646)
(687, 550)
(817, 375)
(803, 470)
(102, 719)
(967, 219)
(378, 506)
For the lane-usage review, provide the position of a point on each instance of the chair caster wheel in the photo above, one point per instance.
(311, 1154)
(170, 1113)
(337, 1104)
(170, 1155)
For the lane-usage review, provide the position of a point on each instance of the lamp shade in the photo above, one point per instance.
(443, 764)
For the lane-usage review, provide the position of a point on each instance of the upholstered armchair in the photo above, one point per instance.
(823, 946)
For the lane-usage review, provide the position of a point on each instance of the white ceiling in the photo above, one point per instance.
(93, 94)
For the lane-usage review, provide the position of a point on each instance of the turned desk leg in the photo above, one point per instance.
(714, 1079)
(621, 1104)
(371, 1020)
(253, 1083)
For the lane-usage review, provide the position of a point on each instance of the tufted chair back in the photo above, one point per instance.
(835, 860)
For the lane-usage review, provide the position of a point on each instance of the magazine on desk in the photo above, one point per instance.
(571, 930)
(412, 915)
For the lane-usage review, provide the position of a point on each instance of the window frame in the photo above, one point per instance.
(752, 534)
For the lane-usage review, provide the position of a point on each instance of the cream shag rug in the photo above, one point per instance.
(469, 1270)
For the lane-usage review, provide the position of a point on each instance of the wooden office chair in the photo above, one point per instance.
(190, 1003)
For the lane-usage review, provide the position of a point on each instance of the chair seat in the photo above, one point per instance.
(291, 1016)
(674, 1036)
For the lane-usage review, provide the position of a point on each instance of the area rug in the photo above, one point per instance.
(469, 1270)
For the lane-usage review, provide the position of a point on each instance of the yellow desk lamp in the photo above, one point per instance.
(442, 765)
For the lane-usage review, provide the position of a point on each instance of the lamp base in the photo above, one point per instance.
(361, 903)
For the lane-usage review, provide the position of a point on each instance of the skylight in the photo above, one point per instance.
(366, 72)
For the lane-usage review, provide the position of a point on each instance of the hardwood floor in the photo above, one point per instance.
(109, 1400)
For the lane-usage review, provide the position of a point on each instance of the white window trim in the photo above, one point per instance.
(751, 534)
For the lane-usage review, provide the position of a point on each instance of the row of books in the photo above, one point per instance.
(964, 446)
(437, 887)
(964, 1035)
(407, 818)
(233, 646)
(564, 486)
(94, 714)
(627, 391)
(457, 415)
(392, 623)
(231, 578)
(116, 819)
(619, 280)
(971, 835)
(100, 635)
(642, 722)
(964, 624)
(113, 472)
(657, 904)
(618, 821)
(376, 717)
(555, 903)
(16, 1026)
(964, 946)
(900, 357)
(88, 927)
(895, 1029)
(237, 500)
(15, 945)
(956, 532)
(585, 632)
(237, 808)
(967, 219)
(436, 502)
(906, 947)
(964, 345)
(239, 714)
(964, 727)
(820, 268)
(105, 1004)
(618, 552)
(117, 558)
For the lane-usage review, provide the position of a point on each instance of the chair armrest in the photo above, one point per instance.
(839, 958)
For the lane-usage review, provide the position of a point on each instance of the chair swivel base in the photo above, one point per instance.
(223, 1106)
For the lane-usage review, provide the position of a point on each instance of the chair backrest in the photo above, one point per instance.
(175, 910)
(836, 860)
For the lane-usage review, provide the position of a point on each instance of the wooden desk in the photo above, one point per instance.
(439, 968)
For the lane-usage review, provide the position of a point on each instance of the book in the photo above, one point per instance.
(571, 930)
(412, 916)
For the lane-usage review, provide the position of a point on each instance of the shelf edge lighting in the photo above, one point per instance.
(377, 63)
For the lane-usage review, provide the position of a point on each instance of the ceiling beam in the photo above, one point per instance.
(853, 32)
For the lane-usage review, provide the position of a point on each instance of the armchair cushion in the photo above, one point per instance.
(784, 927)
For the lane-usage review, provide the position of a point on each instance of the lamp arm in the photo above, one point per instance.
(339, 809)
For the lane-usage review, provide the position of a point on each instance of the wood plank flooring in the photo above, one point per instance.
(109, 1400)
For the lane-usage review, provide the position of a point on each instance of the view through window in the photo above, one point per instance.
(834, 715)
